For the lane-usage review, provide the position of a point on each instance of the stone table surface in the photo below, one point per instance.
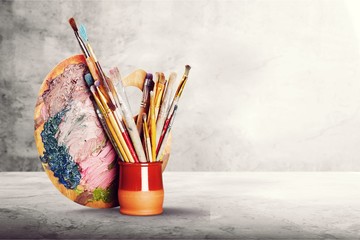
(224, 205)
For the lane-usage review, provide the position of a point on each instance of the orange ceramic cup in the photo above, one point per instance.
(141, 189)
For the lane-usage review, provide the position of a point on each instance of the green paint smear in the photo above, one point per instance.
(104, 195)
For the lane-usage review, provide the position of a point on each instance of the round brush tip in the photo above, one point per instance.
(73, 24)
(187, 69)
(97, 83)
(93, 89)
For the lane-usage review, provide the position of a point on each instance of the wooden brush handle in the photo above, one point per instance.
(137, 79)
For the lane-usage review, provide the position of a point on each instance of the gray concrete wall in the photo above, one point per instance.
(274, 85)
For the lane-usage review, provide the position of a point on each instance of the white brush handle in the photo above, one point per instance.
(133, 132)
(165, 106)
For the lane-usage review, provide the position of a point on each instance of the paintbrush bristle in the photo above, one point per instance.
(187, 69)
(149, 76)
(113, 75)
(88, 79)
(73, 24)
(172, 78)
(83, 33)
(149, 81)
(117, 72)
(97, 83)
(162, 78)
(93, 89)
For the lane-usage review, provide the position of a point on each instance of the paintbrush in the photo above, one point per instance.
(89, 61)
(102, 79)
(183, 81)
(160, 86)
(179, 90)
(80, 41)
(162, 143)
(147, 142)
(152, 125)
(145, 101)
(173, 106)
(89, 81)
(165, 105)
(119, 90)
(116, 79)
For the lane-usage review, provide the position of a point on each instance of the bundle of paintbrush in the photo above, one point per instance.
(142, 139)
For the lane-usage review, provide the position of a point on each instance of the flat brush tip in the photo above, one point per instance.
(149, 76)
(89, 80)
(83, 33)
(73, 24)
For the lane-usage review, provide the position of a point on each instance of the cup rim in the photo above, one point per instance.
(143, 164)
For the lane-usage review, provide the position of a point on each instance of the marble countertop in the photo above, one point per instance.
(225, 205)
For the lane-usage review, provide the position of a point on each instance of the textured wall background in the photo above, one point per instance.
(274, 85)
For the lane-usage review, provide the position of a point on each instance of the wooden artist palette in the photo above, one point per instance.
(73, 148)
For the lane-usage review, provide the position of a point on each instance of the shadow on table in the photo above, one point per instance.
(168, 211)
(188, 212)
(96, 211)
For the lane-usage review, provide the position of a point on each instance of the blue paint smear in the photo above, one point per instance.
(57, 156)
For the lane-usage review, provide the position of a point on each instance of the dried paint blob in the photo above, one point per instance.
(72, 145)
(57, 156)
